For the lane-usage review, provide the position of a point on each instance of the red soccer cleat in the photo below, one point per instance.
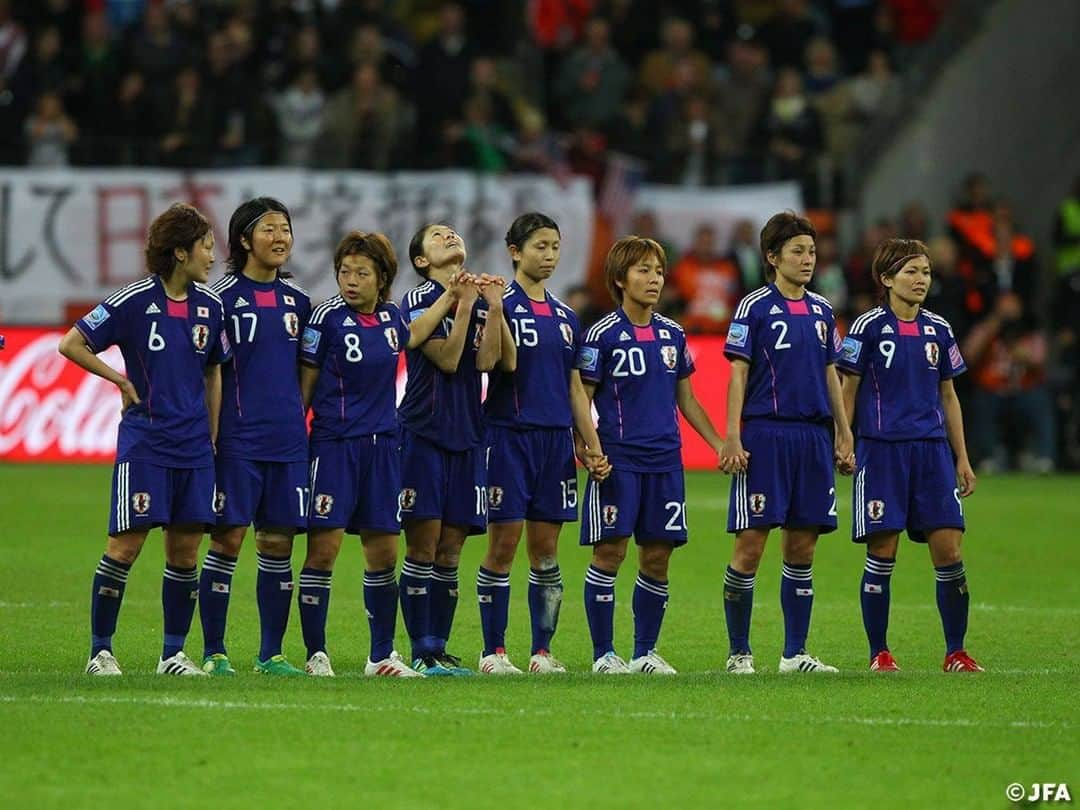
(884, 662)
(960, 661)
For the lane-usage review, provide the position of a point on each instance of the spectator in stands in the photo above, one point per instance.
(361, 124)
(822, 68)
(238, 120)
(634, 27)
(914, 222)
(677, 54)
(1011, 401)
(789, 129)
(689, 155)
(579, 300)
(93, 88)
(49, 132)
(484, 84)
(158, 53)
(370, 46)
(745, 253)
(308, 52)
(872, 88)
(300, 119)
(947, 288)
(442, 81)
(786, 33)
(829, 277)
(48, 68)
(593, 80)
(647, 225)
(862, 290)
(1009, 259)
(740, 94)
(630, 132)
(187, 113)
(708, 283)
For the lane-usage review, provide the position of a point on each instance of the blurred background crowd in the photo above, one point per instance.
(691, 94)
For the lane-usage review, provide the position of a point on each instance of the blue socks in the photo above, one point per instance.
(273, 592)
(493, 594)
(738, 605)
(314, 601)
(179, 593)
(415, 590)
(600, 609)
(796, 601)
(444, 598)
(380, 601)
(650, 602)
(545, 600)
(952, 601)
(105, 598)
(874, 596)
(215, 585)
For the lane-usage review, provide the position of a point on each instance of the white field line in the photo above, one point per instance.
(806, 719)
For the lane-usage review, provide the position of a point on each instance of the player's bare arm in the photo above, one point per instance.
(491, 347)
(309, 376)
(733, 458)
(445, 353)
(595, 462)
(954, 429)
(212, 378)
(695, 414)
(421, 328)
(73, 346)
(844, 451)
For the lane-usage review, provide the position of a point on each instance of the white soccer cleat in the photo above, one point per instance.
(393, 666)
(180, 664)
(318, 666)
(804, 663)
(103, 664)
(610, 664)
(498, 663)
(652, 664)
(543, 664)
(740, 664)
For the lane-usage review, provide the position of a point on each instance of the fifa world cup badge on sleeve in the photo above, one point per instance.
(97, 316)
(737, 334)
(588, 358)
(311, 340)
(851, 349)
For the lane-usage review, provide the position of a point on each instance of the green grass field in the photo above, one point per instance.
(702, 739)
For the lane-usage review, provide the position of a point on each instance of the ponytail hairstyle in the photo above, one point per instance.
(525, 226)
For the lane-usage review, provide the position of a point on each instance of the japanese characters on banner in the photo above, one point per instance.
(51, 410)
(77, 235)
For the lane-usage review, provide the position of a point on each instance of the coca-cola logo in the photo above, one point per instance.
(50, 409)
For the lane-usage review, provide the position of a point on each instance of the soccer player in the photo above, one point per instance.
(907, 418)
(635, 365)
(169, 327)
(350, 352)
(783, 393)
(443, 495)
(262, 474)
(532, 480)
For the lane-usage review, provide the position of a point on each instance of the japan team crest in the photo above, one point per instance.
(140, 502)
(822, 330)
(611, 514)
(932, 354)
(757, 503)
(407, 499)
(670, 356)
(219, 502)
(323, 504)
(390, 333)
(200, 334)
(875, 510)
(292, 324)
(567, 333)
(495, 497)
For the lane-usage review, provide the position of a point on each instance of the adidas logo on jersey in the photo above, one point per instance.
(887, 330)
(240, 302)
(519, 308)
(348, 321)
(153, 309)
(623, 336)
(776, 310)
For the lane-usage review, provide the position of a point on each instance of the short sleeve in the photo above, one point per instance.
(686, 360)
(853, 354)
(411, 311)
(739, 343)
(313, 344)
(954, 364)
(222, 350)
(102, 326)
(836, 345)
(590, 361)
(402, 329)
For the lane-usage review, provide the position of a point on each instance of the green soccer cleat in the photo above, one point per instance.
(218, 665)
(277, 665)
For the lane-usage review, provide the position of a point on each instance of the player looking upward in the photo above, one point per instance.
(262, 474)
(443, 496)
(532, 480)
(899, 361)
(350, 354)
(169, 329)
(635, 365)
(783, 393)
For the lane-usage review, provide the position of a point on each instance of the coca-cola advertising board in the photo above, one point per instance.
(51, 410)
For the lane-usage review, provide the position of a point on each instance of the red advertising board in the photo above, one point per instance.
(51, 410)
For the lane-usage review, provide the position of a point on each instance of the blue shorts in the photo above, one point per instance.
(651, 506)
(145, 495)
(355, 484)
(270, 494)
(440, 484)
(531, 475)
(904, 485)
(789, 481)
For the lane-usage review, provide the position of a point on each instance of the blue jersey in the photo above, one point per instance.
(537, 394)
(788, 345)
(262, 413)
(167, 346)
(443, 408)
(902, 364)
(635, 370)
(357, 357)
